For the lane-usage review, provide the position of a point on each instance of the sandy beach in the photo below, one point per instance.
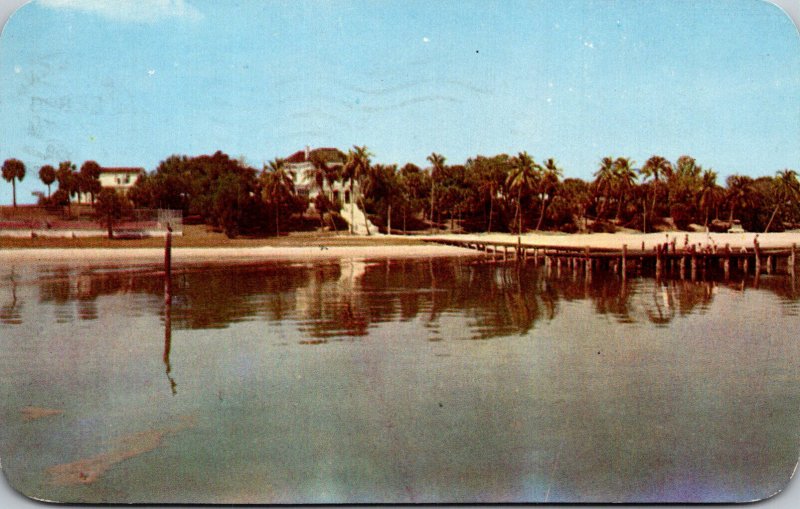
(210, 254)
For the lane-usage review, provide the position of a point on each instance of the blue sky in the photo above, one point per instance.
(132, 83)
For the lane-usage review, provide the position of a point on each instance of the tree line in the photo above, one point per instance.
(499, 193)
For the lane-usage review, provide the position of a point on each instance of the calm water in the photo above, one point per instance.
(432, 380)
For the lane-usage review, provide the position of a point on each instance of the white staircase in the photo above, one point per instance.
(351, 210)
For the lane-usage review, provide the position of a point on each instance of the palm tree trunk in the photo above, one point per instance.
(352, 210)
(541, 215)
(491, 211)
(602, 208)
(653, 206)
(519, 211)
(277, 222)
(389, 221)
(772, 217)
(48, 190)
(14, 190)
(364, 210)
(433, 190)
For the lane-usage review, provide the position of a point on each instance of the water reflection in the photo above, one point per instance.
(600, 388)
(338, 300)
(10, 311)
(168, 332)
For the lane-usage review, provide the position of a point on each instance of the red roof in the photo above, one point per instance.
(297, 157)
(121, 170)
(300, 155)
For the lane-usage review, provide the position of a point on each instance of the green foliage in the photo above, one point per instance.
(681, 215)
(111, 206)
(223, 191)
(486, 193)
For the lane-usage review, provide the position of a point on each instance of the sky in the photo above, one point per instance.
(131, 83)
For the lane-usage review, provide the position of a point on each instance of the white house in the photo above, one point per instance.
(300, 163)
(120, 179)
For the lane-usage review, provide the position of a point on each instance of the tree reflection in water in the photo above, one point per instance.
(335, 300)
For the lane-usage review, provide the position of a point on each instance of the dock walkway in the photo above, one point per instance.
(664, 259)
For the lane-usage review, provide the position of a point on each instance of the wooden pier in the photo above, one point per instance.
(664, 259)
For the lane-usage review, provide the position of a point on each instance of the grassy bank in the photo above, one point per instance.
(201, 236)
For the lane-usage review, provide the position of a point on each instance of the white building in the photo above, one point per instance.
(300, 163)
(119, 179)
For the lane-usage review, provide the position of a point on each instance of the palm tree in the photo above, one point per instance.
(13, 170)
(739, 189)
(547, 184)
(624, 179)
(47, 174)
(317, 174)
(523, 177)
(89, 178)
(655, 168)
(356, 170)
(604, 180)
(487, 184)
(437, 167)
(787, 190)
(65, 175)
(710, 192)
(684, 183)
(277, 188)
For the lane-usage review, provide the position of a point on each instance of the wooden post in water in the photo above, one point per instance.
(624, 260)
(694, 265)
(505, 253)
(758, 257)
(769, 264)
(658, 261)
(587, 263)
(792, 259)
(168, 266)
(746, 265)
(726, 263)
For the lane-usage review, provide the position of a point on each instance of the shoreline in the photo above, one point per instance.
(318, 250)
(229, 254)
